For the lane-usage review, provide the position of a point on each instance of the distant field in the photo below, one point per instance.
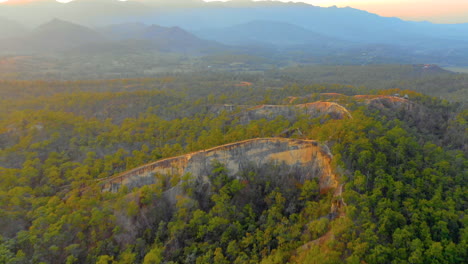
(457, 69)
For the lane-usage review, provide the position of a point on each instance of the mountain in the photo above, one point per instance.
(177, 39)
(59, 35)
(165, 39)
(244, 22)
(61, 31)
(265, 32)
(55, 35)
(134, 30)
(283, 32)
(344, 23)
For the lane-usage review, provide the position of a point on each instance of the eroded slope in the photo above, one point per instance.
(306, 156)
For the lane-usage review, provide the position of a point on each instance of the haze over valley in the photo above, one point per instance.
(187, 35)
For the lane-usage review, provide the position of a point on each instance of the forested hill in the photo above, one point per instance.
(400, 165)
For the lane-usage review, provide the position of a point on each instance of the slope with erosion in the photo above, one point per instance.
(409, 108)
(380, 102)
(246, 113)
(299, 160)
(386, 101)
(294, 161)
(312, 110)
(306, 156)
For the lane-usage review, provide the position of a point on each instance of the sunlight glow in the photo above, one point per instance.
(443, 11)
(440, 10)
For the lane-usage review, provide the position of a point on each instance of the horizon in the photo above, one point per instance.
(434, 11)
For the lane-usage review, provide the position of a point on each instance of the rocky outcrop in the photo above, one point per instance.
(316, 96)
(290, 112)
(307, 157)
(386, 102)
(381, 102)
(334, 110)
(246, 113)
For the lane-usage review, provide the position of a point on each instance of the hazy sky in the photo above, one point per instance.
(435, 10)
(442, 11)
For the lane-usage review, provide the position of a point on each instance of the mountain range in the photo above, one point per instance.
(348, 23)
(266, 33)
(63, 36)
(288, 31)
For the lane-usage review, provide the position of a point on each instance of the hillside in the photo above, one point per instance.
(178, 40)
(366, 27)
(61, 35)
(59, 38)
(55, 35)
(305, 158)
(429, 79)
(147, 170)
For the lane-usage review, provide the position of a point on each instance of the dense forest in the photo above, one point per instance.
(403, 171)
(218, 70)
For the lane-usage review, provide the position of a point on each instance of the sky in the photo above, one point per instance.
(439, 11)
(446, 11)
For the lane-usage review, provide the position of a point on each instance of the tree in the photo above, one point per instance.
(154, 256)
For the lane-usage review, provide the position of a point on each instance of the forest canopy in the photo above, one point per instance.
(402, 165)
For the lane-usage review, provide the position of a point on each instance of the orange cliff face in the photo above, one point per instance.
(305, 157)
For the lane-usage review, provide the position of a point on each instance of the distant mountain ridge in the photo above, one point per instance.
(59, 34)
(295, 32)
(347, 24)
(62, 36)
(55, 35)
(197, 14)
(169, 39)
(265, 32)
